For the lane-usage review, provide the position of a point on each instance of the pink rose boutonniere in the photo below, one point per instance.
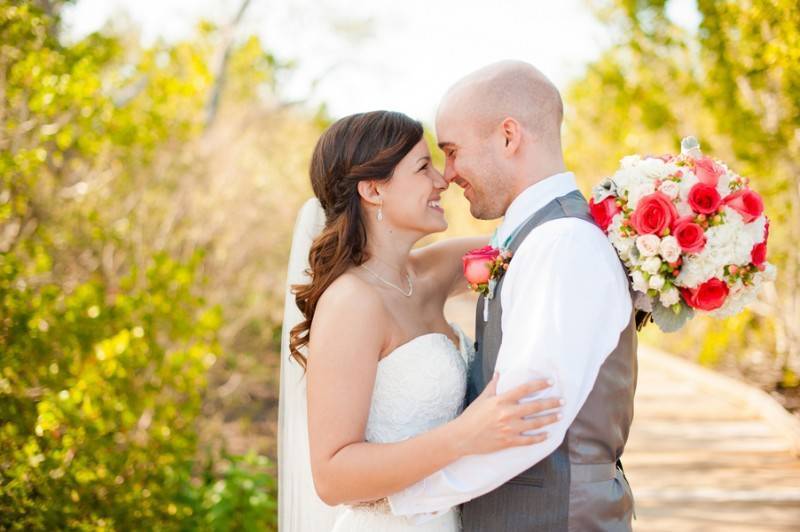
(484, 267)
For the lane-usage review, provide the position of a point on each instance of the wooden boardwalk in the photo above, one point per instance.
(700, 457)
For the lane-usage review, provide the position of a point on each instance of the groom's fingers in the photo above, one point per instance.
(523, 390)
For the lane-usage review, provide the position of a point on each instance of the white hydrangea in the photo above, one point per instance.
(670, 189)
(723, 185)
(729, 243)
(687, 182)
(630, 161)
(623, 177)
(639, 188)
(684, 209)
(622, 244)
(755, 229)
(738, 299)
(654, 168)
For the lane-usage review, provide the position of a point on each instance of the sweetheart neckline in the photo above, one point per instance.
(412, 340)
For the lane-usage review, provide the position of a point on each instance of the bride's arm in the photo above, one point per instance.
(442, 260)
(348, 335)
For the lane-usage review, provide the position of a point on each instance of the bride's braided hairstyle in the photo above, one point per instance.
(359, 147)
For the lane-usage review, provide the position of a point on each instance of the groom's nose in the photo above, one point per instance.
(449, 172)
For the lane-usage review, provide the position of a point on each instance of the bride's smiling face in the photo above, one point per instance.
(411, 198)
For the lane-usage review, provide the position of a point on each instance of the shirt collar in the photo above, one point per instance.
(534, 198)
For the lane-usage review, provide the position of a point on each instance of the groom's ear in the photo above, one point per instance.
(370, 192)
(512, 133)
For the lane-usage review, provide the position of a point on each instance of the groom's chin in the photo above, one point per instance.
(477, 212)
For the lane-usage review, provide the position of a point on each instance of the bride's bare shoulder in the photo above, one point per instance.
(349, 302)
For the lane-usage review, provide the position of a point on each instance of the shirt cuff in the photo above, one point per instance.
(402, 506)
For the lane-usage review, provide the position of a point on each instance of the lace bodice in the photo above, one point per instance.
(418, 386)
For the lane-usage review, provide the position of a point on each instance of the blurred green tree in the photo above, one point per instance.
(116, 268)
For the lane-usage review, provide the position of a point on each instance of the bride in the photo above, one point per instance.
(385, 374)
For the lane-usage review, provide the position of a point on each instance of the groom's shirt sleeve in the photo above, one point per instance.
(565, 301)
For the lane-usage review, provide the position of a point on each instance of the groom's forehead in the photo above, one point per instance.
(449, 127)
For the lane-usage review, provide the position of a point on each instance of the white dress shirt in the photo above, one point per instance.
(565, 301)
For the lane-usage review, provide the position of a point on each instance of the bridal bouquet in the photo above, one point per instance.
(691, 232)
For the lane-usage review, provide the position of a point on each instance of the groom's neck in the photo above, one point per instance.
(536, 171)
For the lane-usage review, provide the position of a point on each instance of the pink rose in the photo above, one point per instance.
(758, 255)
(747, 203)
(704, 199)
(477, 263)
(690, 235)
(654, 213)
(708, 296)
(707, 171)
(604, 211)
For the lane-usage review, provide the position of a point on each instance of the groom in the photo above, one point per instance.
(562, 310)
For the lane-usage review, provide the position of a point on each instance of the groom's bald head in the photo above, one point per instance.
(508, 89)
(500, 130)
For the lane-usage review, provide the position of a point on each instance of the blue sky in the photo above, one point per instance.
(382, 54)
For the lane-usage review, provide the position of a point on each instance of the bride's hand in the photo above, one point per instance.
(493, 422)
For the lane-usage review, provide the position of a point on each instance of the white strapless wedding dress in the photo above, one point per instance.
(418, 386)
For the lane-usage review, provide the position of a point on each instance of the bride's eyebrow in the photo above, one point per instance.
(424, 158)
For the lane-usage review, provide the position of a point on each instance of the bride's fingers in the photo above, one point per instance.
(539, 405)
(537, 422)
(520, 441)
(523, 390)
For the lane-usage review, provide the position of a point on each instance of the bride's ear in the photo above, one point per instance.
(370, 192)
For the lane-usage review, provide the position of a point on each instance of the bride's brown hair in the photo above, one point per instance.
(359, 147)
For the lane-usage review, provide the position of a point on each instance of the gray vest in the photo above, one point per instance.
(580, 486)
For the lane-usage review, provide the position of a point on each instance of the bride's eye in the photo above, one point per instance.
(423, 167)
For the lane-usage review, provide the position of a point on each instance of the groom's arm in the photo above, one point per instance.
(565, 302)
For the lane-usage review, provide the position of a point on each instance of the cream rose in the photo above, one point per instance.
(670, 297)
(648, 245)
(651, 265)
(639, 282)
(656, 282)
(669, 248)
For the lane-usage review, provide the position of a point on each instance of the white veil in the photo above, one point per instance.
(299, 507)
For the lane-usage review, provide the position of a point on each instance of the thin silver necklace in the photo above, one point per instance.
(381, 279)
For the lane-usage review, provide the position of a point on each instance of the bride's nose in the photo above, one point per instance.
(439, 181)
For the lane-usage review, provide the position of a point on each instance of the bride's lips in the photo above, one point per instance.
(435, 205)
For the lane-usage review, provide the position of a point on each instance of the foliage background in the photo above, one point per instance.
(147, 196)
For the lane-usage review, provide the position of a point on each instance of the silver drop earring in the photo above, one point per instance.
(380, 213)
